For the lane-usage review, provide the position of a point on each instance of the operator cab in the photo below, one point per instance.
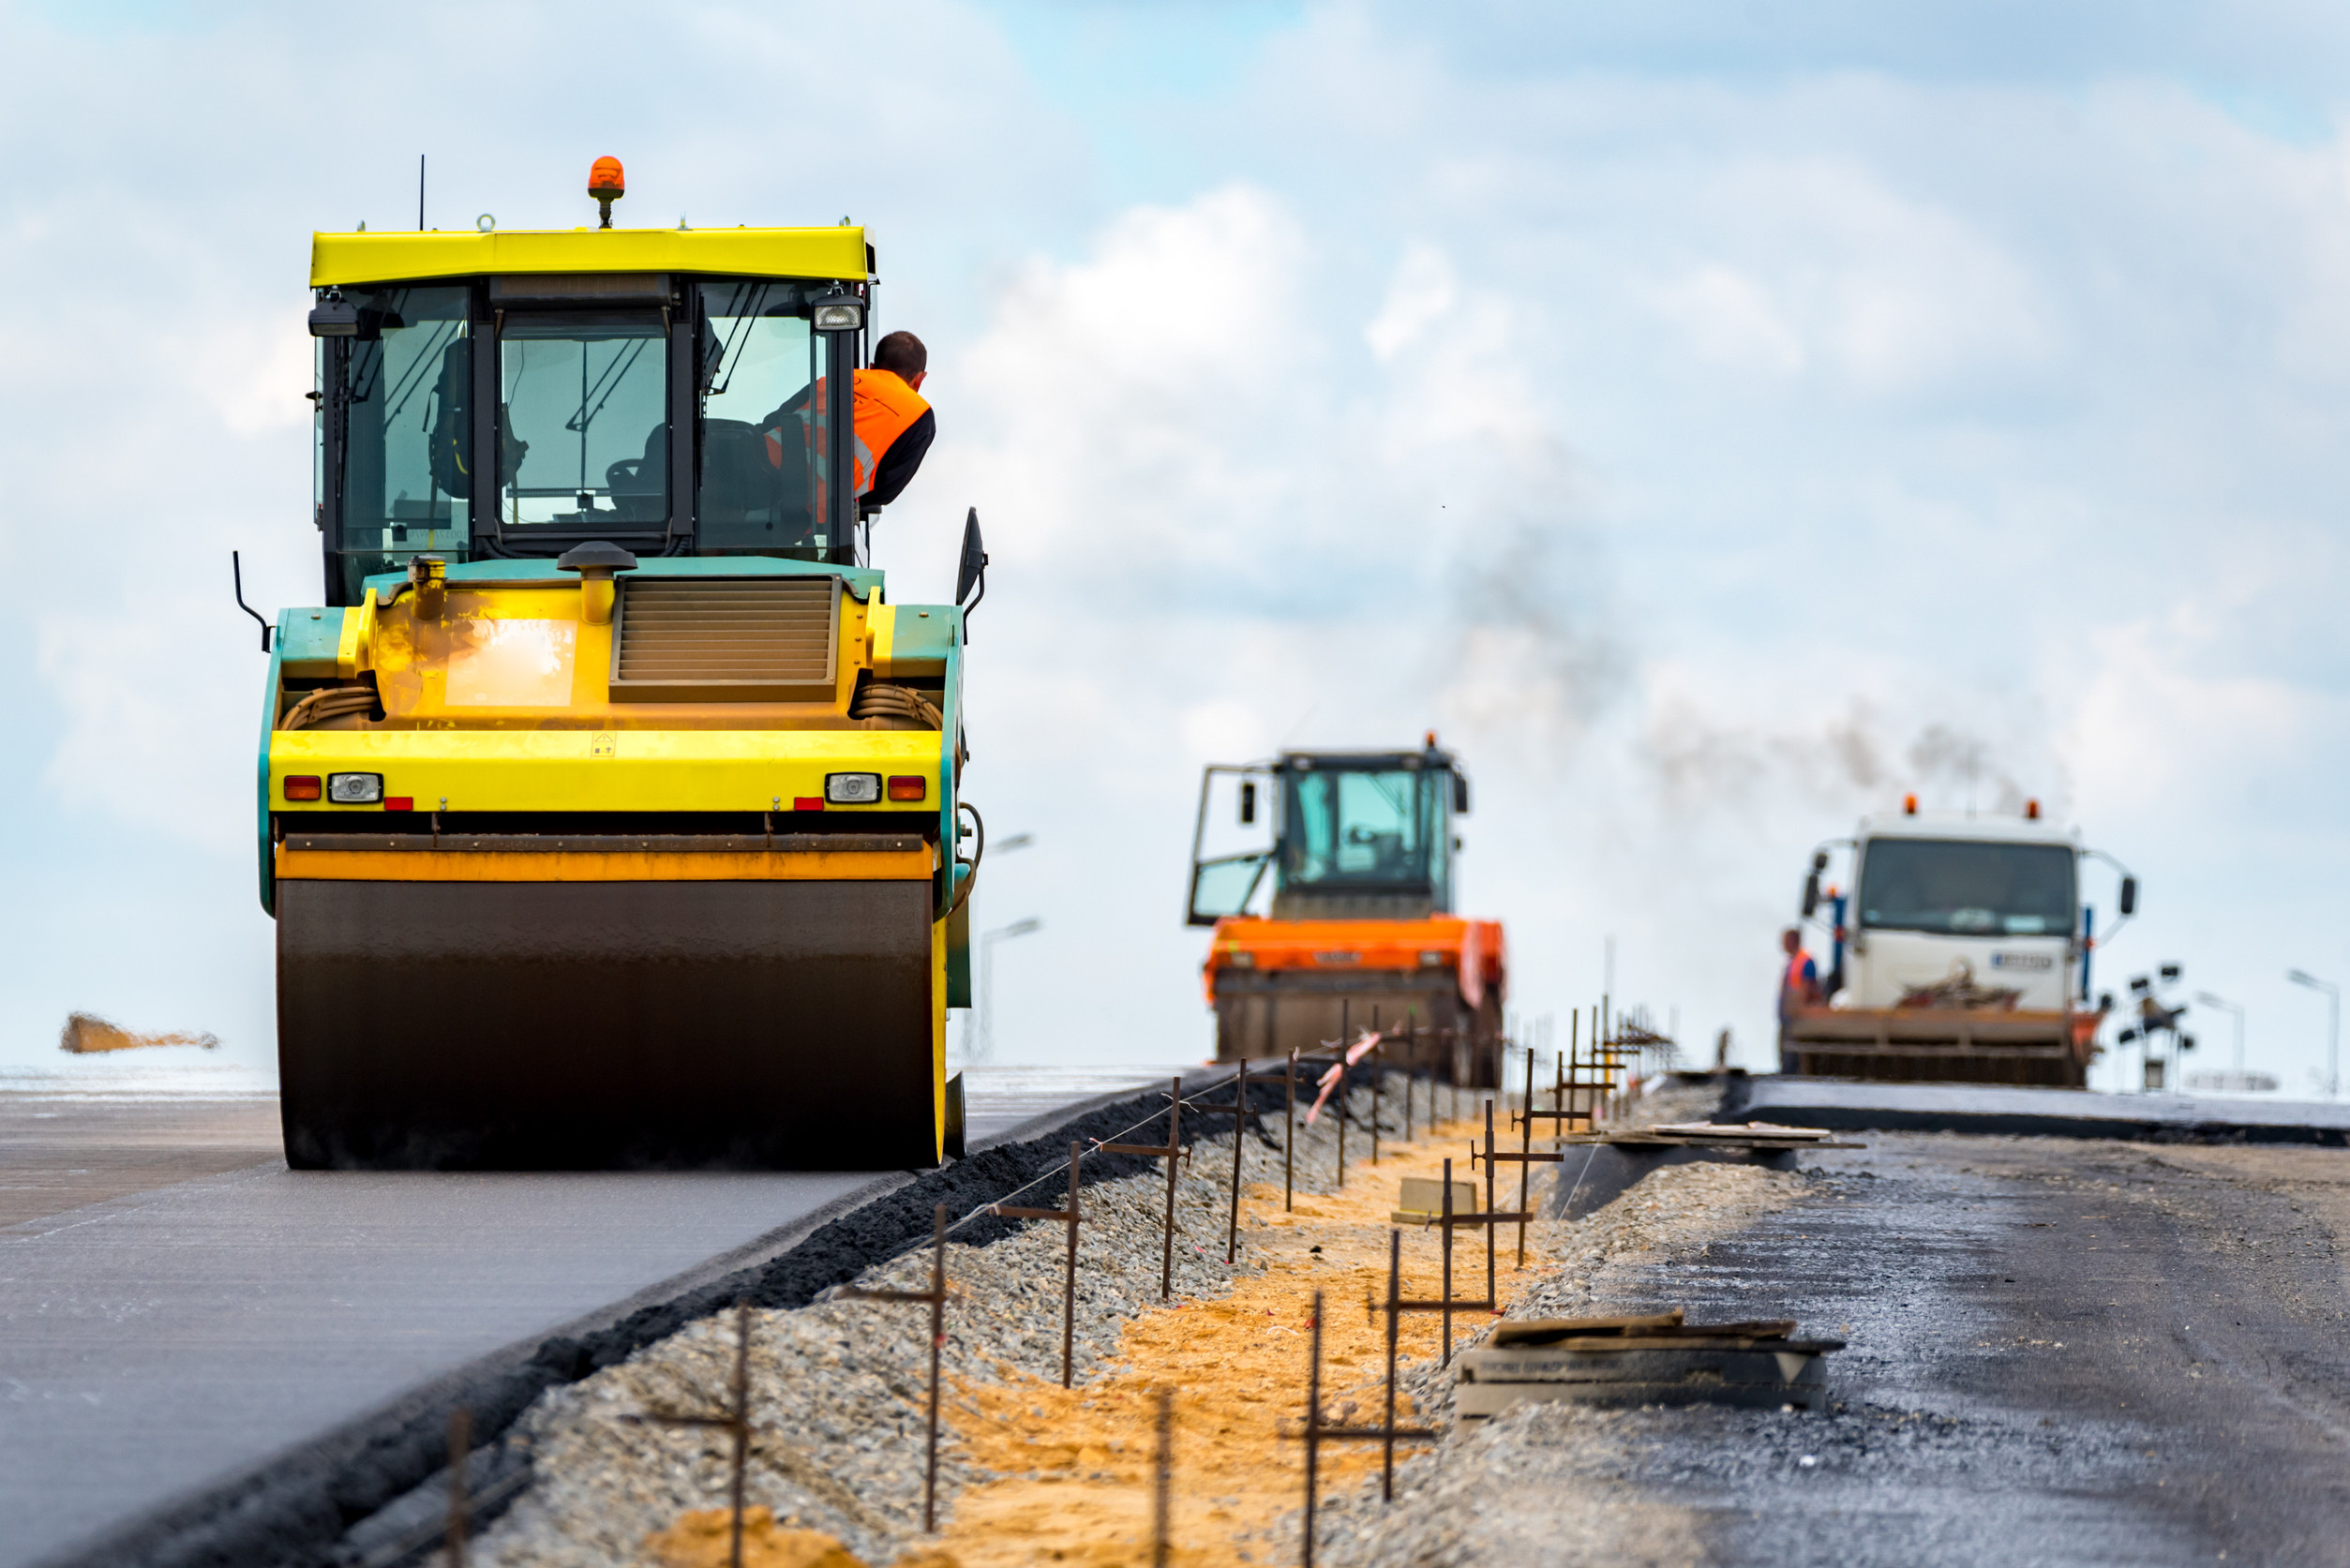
(1354, 835)
(681, 411)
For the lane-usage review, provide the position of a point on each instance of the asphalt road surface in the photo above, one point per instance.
(177, 1306)
(2062, 1351)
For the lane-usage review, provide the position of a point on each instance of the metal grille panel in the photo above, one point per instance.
(759, 639)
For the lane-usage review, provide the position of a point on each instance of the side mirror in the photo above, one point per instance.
(1811, 894)
(972, 573)
(2129, 895)
(1248, 801)
(1459, 794)
(1819, 861)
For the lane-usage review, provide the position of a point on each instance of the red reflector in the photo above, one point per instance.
(807, 802)
(302, 787)
(909, 786)
(400, 803)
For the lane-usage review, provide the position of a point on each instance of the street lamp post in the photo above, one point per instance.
(970, 1015)
(2235, 1011)
(2333, 1027)
(987, 981)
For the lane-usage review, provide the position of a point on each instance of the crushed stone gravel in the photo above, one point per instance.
(839, 1387)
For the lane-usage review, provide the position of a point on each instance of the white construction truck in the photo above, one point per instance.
(1960, 955)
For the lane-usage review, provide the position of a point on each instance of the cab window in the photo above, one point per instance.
(583, 427)
(766, 426)
(406, 448)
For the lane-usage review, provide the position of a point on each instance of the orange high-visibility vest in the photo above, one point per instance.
(1795, 970)
(886, 409)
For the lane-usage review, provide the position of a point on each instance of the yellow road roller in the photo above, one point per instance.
(608, 807)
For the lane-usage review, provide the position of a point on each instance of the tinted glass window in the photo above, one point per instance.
(407, 448)
(1360, 828)
(1967, 889)
(583, 427)
(766, 429)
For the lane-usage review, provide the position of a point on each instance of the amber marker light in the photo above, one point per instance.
(909, 786)
(606, 184)
(304, 786)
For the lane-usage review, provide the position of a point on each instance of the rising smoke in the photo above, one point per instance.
(1856, 760)
(1534, 655)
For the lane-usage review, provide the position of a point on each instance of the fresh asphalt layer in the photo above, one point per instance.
(2061, 1352)
(170, 1351)
(1846, 1104)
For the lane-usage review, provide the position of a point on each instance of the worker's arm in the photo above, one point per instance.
(905, 456)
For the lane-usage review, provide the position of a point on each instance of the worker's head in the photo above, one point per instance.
(1791, 940)
(902, 354)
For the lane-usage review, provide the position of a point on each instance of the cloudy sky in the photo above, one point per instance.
(1714, 423)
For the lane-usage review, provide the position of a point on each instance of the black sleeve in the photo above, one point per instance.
(896, 469)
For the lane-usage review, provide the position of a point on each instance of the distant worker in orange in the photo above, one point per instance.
(1798, 987)
(894, 426)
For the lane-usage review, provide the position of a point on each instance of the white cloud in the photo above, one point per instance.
(1731, 319)
(1424, 294)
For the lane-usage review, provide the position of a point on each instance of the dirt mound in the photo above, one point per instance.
(86, 1034)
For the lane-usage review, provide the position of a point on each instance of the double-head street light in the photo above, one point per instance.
(2333, 1027)
(2235, 1011)
(976, 1051)
(987, 981)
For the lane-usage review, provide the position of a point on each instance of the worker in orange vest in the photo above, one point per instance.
(894, 426)
(1798, 987)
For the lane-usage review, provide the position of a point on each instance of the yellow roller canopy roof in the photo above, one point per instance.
(397, 256)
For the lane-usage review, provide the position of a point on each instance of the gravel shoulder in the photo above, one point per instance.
(1031, 1472)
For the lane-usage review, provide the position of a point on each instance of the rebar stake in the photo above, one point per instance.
(1345, 1086)
(936, 1297)
(1172, 1149)
(1069, 1216)
(1386, 1432)
(1289, 1137)
(737, 1421)
(1313, 1425)
(460, 1444)
(1239, 1125)
(1163, 1480)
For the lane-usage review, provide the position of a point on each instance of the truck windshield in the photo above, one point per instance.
(1360, 828)
(1966, 887)
(583, 428)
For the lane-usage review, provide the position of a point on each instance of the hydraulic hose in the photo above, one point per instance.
(330, 702)
(881, 699)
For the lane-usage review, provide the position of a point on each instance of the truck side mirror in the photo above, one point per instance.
(1459, 794)
(972, 573)
(1248, 801)
(1818, 860)
(2129, 895)
(1811, 894)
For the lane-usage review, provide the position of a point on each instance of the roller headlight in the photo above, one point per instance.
(852, 790)
(354, 789)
